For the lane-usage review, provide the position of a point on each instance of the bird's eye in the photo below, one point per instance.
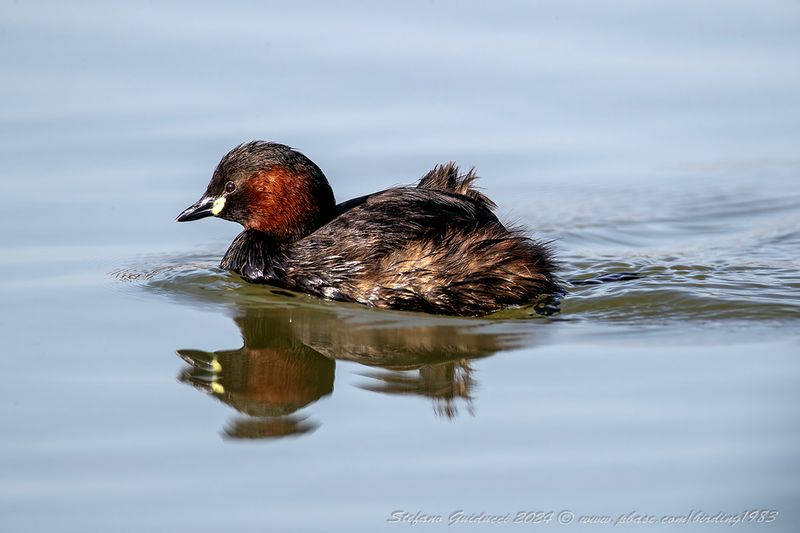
(230, 187)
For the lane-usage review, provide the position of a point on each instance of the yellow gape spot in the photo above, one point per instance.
(216, 207)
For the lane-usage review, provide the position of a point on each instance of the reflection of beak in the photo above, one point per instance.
(204, 207)
(204, 361)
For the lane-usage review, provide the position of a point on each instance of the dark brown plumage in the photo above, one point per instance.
(437, 247)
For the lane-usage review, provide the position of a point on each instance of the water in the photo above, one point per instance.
(146, 390)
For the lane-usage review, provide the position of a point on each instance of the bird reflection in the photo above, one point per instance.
(287, 362)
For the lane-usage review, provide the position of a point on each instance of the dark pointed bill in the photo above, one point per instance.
(204, 207)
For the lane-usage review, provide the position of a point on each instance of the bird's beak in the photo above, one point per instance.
(205, 207)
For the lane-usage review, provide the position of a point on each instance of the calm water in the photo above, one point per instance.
(146, 390)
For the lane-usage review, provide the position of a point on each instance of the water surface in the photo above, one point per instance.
(145, 389)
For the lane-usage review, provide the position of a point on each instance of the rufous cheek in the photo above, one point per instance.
(277, 203)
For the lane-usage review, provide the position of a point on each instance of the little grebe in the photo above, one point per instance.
(436, 247)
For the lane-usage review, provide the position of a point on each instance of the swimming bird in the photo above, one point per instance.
(435, 247)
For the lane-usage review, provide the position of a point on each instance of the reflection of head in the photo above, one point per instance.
(272, 375)
(264, 382)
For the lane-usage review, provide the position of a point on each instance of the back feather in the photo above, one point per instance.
(445, 178)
